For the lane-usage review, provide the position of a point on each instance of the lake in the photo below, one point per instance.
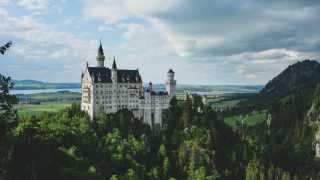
(35, 91)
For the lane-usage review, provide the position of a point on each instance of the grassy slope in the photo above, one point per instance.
(223, 103)
(32, 109)
(59, 96)
(250, 119)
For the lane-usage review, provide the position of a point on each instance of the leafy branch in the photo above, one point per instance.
(5, 47)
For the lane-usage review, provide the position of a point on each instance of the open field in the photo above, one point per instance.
(36, 109)
(223, 103)
(249, 119)
(57, 97)
(228, 100)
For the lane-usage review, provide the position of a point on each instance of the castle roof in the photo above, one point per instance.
(100, 50)
(158, 93)
(103, 75)
(114, 65)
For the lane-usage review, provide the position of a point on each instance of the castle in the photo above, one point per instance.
(107, 90)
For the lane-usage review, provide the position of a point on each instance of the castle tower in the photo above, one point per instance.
(114, 78)
(114, 71)
(171, 83)
(100, 56)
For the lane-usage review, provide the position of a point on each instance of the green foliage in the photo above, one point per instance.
(8, 120)
(194, 143)
(7, 113)
(250, 119)
(37, 109)
(5, 47)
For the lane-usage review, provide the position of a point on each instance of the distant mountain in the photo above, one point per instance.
(34, 84)
(212, 89)
(208, 89)
(28, 81)
(304, 74)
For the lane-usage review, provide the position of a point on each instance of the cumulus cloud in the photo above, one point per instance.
(222, 27)
(35, 41)
(216, 42)
(34, 4)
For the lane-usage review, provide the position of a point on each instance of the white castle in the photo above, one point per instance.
(107, 90)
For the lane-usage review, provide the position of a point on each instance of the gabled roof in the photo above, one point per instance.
(103, 75)
(131, 76)
(100, 74)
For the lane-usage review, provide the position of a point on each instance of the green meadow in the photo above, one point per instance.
(36, 109)
(248, 119)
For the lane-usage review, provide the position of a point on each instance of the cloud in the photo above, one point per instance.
(261, 36)
(34, 4)
(35, 41)
(115, 11)
(221, 27)
(216, 42)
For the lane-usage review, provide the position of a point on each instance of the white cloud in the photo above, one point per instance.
(251, 76)
(132, 29)
(38, 42)
(34, 4)
(250, 44)
(4, 2)
(115, 11)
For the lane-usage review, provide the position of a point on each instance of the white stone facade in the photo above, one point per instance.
(107, 90)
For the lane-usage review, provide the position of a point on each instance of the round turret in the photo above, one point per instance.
(171, 83)
(170, 74)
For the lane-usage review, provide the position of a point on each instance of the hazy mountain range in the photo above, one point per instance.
(216, 89)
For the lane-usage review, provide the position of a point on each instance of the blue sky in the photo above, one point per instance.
(205, 42)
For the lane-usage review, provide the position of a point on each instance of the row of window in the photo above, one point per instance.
(123, 102)
(110, 85)
(120, 91)
(109, 97)
(120, 106)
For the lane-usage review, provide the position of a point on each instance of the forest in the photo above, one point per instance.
(194, 143)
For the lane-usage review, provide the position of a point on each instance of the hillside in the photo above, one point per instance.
(303, 75)
(291, 141)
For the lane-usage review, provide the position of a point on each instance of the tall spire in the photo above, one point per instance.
(100, 56)
(114, 65)
(114, 73)
(100, 50)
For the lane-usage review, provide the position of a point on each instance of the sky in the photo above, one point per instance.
(213, 42)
